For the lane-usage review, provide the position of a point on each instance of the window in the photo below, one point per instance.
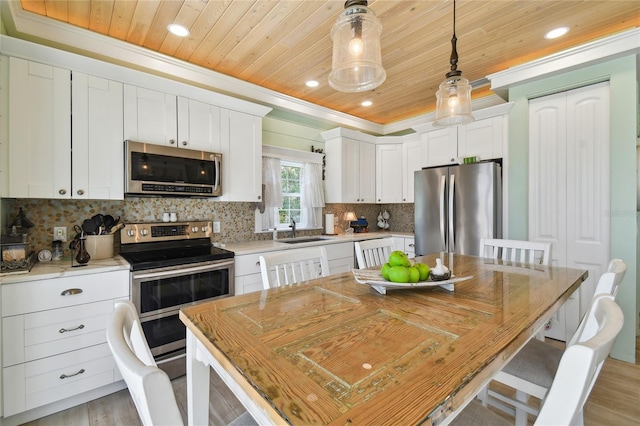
(291, 182)
(292, 189)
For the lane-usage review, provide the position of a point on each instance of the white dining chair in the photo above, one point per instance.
(516, 250)
(149, 386)
(293, 266)
(531, 371)
(577, 372)
(373, 252)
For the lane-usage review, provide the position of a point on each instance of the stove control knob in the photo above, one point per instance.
(194, 229)
(131, 233)
(204, 229)
(144, 232)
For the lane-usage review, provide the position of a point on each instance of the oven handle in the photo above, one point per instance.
(211, 267)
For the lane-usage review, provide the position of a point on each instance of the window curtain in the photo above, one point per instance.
(311, 196)
(272, 196)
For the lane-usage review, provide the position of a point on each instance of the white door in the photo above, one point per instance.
(389, 173)
(39, 130)
(367, 172)
(411, 161)
(569, 190)
(441, 146)
(97, 138)
(198, 125)
(351, 170)
(150, 116)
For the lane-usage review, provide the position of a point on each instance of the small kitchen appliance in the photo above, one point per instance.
(173, 265)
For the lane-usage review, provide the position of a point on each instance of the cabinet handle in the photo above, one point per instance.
(378, 199)
(412, 245)
(184, 143)
(259, 197)
(62, 191)
(71, 291)
(66, 376)
(258, 263)
(172, 141)
(64, 330)
(80, 191)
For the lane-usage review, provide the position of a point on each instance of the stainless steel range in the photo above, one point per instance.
(173, 265)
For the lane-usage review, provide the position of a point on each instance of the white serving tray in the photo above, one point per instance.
(373, 278)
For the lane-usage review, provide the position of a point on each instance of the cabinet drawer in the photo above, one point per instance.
(248, 264)
(34, 296)
(338, 266)
(339, 251)
(42, 334)
(250, 283)
(36, 383)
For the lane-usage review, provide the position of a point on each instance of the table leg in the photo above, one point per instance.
(197, 385)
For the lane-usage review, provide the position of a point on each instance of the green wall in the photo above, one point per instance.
(622, 76)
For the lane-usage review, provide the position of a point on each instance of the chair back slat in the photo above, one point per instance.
(293, 266)
(516, 250)
(375, 252)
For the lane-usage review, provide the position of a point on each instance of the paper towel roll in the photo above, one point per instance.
(329, 223)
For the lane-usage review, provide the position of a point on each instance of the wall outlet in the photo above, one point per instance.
(216, 227)
(60, 233)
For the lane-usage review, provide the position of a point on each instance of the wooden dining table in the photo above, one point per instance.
(335, 351)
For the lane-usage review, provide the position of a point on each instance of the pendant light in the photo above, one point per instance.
(453, 105)
(357, 61)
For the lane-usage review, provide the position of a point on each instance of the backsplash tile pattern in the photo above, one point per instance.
(236, 219)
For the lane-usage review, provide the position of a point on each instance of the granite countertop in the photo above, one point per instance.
(252, 247)
(63, 268)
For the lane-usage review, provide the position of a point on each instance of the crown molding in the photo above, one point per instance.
(598, 51)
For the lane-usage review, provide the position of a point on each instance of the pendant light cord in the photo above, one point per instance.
(454, 53)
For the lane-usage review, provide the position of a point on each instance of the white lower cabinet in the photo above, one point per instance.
(54, 338)
(247, 267)
(405, 244)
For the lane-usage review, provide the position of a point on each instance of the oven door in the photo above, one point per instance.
(158, 295)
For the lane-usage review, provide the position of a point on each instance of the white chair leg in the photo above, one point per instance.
(483, 395)
(521, 415)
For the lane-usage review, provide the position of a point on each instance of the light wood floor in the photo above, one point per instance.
(614, 400)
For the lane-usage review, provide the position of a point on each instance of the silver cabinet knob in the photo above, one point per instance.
(62, 191)
(184, 143)
(80, 192)
(172, 141)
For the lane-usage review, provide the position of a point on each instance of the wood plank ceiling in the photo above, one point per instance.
(281, 44)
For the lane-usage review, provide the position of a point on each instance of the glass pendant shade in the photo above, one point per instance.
(357, 61)
(453, 105)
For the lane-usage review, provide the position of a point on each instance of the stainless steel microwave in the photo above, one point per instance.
(169, 171)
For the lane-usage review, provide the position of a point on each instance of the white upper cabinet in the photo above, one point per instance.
(150, 116)
(412, 159)
(39, 148)
(159, 118)
(96, 138)
(482, 138)
(350, 175)
(241, 156)
(441, 146)
(198, 125)
(389, 172)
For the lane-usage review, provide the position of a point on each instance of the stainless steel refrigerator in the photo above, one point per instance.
(456, 206)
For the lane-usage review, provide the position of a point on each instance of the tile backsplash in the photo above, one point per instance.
(236, 219)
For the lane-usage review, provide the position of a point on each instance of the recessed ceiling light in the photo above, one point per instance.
(177, 29)
(312, 83)
(366, 103)
(558, 32)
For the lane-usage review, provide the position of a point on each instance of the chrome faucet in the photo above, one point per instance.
(293, 227)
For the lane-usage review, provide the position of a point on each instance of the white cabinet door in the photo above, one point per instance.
(150, 116)
(350, 170)
(241, 156)
(569, 189)
(481, 138)
(389, 173)
(367, 172)
(411, 162)
(198, 125)
(97, 138)
(441, 146)
(39, 130)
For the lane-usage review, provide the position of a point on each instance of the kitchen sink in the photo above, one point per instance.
(303, 240)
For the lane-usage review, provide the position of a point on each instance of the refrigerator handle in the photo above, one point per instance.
(452, 237)
(443, 180)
